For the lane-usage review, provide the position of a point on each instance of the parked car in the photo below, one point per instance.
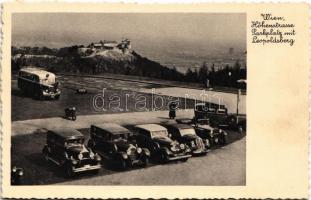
(38, 83)
(112, 142)
(156, 138)
(16, 175)
(185, 133)
(210, 135)
(216, 114)
(66, 149)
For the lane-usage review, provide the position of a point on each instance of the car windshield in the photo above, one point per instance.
(119, 136)
(157, 134)
(187, 131)
(74, 142)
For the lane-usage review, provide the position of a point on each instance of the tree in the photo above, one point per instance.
(203, 72)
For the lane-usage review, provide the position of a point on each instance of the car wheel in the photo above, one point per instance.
(74, 118)
(184, 159)
(122, 164)
(163, 158)
(68, 171)
(224, 140)
(145, 162)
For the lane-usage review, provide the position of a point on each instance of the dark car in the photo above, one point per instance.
(16, 175)
(185, 133)
(81, 91)
(210, 135)
(66, 148)
(216, 114)
(112, 142)
(156, 138)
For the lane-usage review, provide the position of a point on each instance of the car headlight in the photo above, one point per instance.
(124, 156)
(14, 169)
(20, 173)
(192, 144)
(80, 156)
(182, 146)
(220, 131)
(139, 150)
(207, 142)
(128, 152)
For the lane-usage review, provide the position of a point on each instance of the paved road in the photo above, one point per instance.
(84, 121)
(227, 99)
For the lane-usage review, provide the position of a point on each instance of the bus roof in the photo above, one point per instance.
(34, 70)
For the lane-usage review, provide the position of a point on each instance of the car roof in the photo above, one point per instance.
(112, 128)
(151, 127)
(180, 126)
(67, 133)
(211, 105)
(204, 126)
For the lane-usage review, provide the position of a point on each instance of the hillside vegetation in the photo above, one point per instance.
(80, 59)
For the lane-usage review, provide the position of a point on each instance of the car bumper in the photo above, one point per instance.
(51, 95)
(86, 168)
(135, 162)
(178, 157)
(200, 152)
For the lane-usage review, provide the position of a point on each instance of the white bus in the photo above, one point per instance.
(39, 83)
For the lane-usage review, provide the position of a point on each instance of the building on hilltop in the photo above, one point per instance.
(124, 45)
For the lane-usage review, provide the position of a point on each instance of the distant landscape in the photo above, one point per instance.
(221, 69)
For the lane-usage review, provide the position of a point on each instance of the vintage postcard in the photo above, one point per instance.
(155, 101)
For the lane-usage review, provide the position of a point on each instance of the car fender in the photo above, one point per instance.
(165, 150)
(91, 143)
(157, 145)
(146, 151)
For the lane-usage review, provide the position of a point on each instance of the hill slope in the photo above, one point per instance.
(82, 60)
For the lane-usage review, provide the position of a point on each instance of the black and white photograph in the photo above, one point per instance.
(146, 99)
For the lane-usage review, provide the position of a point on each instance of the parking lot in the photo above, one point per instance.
(225, 165)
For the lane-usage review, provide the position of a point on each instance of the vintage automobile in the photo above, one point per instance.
(216, 114)
(38, 83)
(81, 91)
(16, 175)
(156, 138)
(112, 142)
(210, 135)
(185, 133)
(66, 149)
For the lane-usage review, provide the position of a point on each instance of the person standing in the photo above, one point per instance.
(172, 112)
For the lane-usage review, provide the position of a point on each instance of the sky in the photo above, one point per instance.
(148, 32)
